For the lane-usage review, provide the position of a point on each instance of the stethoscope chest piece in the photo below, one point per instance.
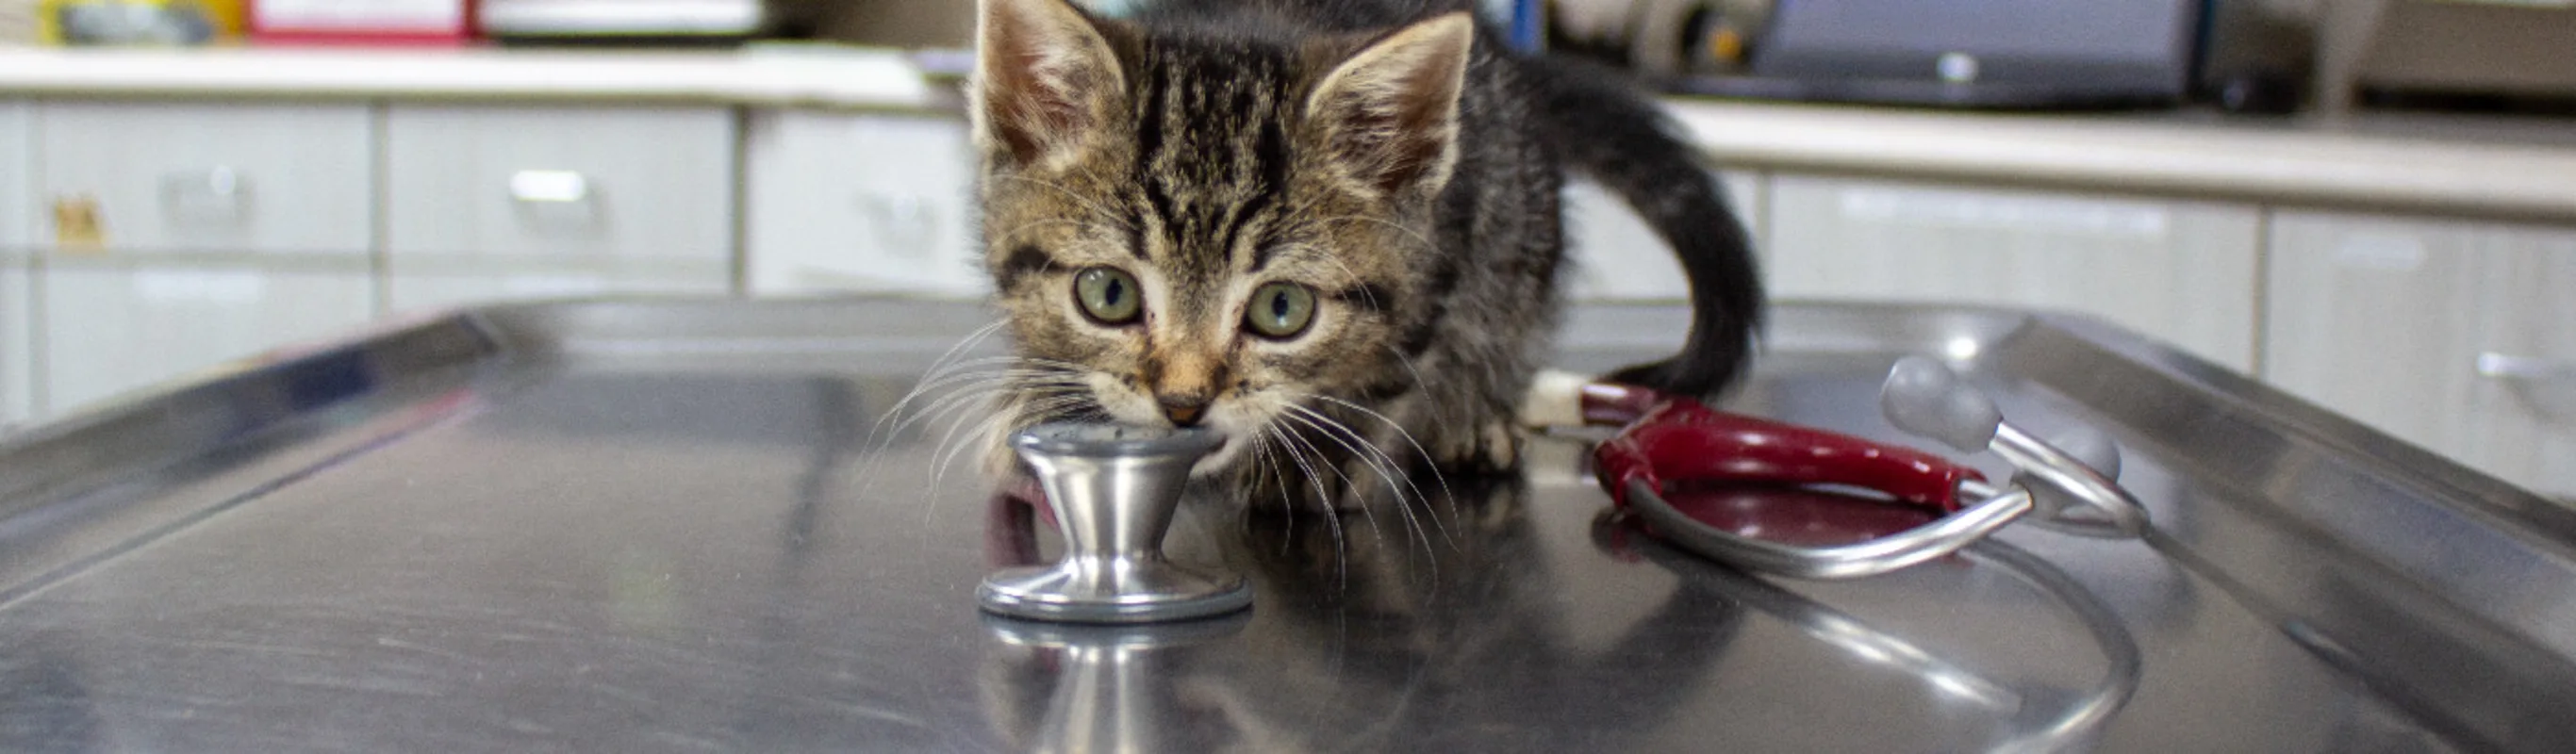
(1113, 491)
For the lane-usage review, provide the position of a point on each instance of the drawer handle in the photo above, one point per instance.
(219, 194)
(2526, 369)
(549, 187)
(2548, 385)
(906, 223)
(555, 201)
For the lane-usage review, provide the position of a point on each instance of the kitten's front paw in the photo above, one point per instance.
(1494, 448)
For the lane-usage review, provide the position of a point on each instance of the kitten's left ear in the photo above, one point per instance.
(1388, 116)
(1046, 81)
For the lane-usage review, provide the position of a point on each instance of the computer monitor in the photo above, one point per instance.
(1993, 53)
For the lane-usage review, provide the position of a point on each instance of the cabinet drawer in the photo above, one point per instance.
(843, 201)
(1616, 255)
(413, 285)
(17, 169)
(169, 177)
(562, 181)
(2182, 272)
(111, 328)
(2453, 336)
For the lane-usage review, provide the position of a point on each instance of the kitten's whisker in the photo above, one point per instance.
(1439, 409)
(1361, 451)
(1325, 460)
(966, 394)
(1428, 461)
(1017, 404)
(1341, 434)
(953, 410)
(1332, 519)
(1251, 477)
(1039, 410)
(940, 365)
(880, 439)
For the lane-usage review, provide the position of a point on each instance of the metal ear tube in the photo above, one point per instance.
(1678, 440)
(2080, 472)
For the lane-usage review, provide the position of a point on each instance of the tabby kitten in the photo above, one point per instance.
(1329, 231)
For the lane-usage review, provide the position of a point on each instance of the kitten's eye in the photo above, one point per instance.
(1280, 310)
(1108, 296)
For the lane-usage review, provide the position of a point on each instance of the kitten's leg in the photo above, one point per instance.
(1486, 442)
(1293, 473)
(1416, 437)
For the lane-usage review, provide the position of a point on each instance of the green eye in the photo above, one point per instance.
(1108, 296)
(1280, 310)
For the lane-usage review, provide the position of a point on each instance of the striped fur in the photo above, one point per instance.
(1385, 155)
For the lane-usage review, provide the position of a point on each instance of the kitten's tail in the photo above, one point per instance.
(1623, 140)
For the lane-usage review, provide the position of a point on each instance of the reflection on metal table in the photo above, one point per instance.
(639, 525)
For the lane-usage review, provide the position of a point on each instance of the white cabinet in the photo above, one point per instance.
(113, 327)
(1616, 256)
(2183, 272)
(164, 177)
(17, 335)
(511, 181)
(2458, 337)
(859, 201)
(17, 215)
(17, 177)
(490, 203)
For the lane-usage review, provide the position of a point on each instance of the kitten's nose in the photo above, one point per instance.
(1183, 410)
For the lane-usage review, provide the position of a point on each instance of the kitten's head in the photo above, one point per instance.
(1202, 228)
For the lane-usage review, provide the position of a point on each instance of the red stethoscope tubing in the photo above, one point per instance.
(1667, 440)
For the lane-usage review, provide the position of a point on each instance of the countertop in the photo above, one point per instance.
(2452, 166)
(2447, 165)
(781, 76)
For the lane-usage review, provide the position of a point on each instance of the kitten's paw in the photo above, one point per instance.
(1501, 446)
(1493, 448)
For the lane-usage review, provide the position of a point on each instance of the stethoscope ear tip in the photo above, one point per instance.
(1924, 398)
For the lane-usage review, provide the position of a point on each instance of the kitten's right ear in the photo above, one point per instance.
(1389, 115)
(1045, 80)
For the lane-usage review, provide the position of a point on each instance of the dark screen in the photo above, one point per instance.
(2093, 30)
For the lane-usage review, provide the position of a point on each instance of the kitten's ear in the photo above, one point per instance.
(1388, 116)
(1045, 80)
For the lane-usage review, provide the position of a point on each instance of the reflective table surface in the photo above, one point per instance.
(680, 525)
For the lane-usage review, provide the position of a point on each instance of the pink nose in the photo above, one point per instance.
(1183, 410)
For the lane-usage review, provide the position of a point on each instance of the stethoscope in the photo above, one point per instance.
(1112, 490)
(1666, 442)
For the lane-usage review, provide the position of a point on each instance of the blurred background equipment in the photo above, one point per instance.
(2241, 54)
(383, 22)
(625, 21)
(1658, 38)
(2452, 54)
(127, 22)
(17, 22)
(1976, 53)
